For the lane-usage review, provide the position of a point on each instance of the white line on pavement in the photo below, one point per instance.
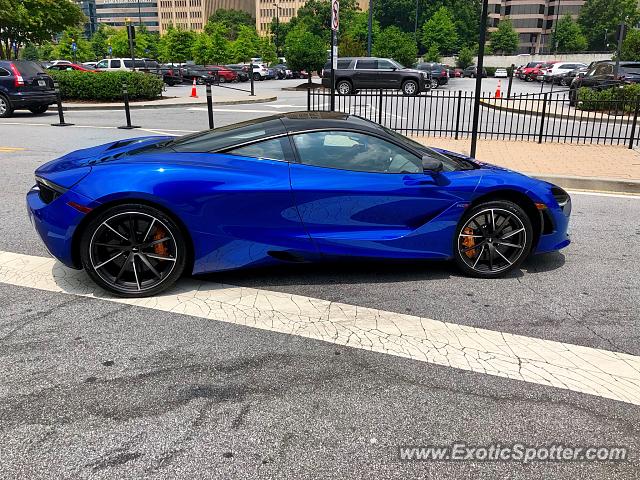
(233, 110)
(582, 369)
(604, 194)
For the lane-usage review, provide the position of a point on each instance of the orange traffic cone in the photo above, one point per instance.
(498, 90)
(194, 93)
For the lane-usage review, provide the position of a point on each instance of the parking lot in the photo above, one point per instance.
(253, 374)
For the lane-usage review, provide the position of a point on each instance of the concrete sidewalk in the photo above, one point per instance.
(593, 167)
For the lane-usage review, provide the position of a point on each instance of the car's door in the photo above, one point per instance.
(359, 194)
(388, 74)
(366, 73)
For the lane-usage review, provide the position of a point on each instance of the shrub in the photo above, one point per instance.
(107, 85)
(491, 71)
(622, 98)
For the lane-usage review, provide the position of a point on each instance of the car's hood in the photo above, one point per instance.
(412, 70)
(72, 167)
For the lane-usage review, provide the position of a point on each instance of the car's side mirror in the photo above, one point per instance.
(430, 164)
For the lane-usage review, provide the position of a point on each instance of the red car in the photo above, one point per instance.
(65, 67)
(225, 74)
(529, 72)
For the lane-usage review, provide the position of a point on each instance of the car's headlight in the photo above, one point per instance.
(425, 74)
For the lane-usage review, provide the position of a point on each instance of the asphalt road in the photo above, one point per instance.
(96, 389)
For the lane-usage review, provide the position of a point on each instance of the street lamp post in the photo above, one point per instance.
(555, 26)
(139, 15)
(275, 40)
(370, 26)
(479, 71)
(415, 26)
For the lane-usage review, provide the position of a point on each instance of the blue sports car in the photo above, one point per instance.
(136, 214)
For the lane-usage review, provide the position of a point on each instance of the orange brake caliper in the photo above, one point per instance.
(469, 242)
(160, 248)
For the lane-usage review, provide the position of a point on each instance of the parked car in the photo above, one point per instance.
(61, 67)
(261, 72)
(222, 73)
(558, 69)
(354, 73)
(529, 71)
(438, 74)
(241, 70)
(24, 85)
(356, 190)
(472, 72)
(90, 64)
(501, 73)
(197, 72)
(171, 75)
(601, 76)
(566, 78)
(282, 71)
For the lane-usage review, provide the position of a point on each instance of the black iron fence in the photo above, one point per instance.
(540, 117)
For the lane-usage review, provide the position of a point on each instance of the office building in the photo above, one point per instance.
(138, 12)
(193, 14)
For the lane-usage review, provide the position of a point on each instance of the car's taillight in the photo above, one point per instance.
(17, 80)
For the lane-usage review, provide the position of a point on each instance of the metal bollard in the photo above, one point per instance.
(209, 105)
(125, 94)
(61, 123)
(251, 78)
(511, 72)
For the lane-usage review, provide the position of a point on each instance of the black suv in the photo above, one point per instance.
(24, 86)
(369, 72)
(601, 76)
(438, 74)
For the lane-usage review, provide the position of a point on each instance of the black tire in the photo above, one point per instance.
(528, 78)
(486, 241)
(222, 80)
(39, 110)
(563, 82)
(410, 88)
(6, 109)
(168, 261)
(433, 83)
(344, 87)
(573, 94)
(199, 81)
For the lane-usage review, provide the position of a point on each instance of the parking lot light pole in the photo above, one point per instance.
(369, 28)
(479, 71)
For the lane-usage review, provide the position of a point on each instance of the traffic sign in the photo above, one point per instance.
(335, 9)
(74, 46)
(110, 49)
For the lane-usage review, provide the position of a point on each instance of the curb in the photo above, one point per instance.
(133, 106)
(624, 120)
(591, 183)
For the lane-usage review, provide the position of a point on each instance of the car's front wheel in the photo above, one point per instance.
(492, 239)
(433, 83)
(410, 87)
(133, 250)
(6, 110)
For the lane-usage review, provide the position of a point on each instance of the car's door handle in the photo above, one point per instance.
(418, 181)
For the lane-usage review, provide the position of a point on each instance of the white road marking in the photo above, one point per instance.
(604, 194)
(582, 369)
(233, 110)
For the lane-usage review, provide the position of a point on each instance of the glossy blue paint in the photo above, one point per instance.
(240, 211)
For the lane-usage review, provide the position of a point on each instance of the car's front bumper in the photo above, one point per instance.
(558, 231)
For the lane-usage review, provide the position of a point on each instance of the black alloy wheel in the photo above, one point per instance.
(493, 239)
(133, 250)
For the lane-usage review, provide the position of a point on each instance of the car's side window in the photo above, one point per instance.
(385, 65)
(115, 63)
(102, 64)
(274, 149)
(355, 151)
(366, 65)
(4, 73)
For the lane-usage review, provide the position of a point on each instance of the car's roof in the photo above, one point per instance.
(301, 121)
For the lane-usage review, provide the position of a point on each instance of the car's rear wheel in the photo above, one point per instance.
(344, 87)
(39, 110)
(563, 82)
(222, 80)
(492, 239)
(410, 87)
(133, 250)
(433, 83)
(6, 110)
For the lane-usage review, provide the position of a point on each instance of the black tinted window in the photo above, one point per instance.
(115, 63)
(128, 63)
(366, 64)
(269, 149)
(28, 69)
(342, 63)
(355, 151)
(4, 73)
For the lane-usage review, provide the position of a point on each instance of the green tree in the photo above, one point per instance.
(267, 51)
(505, 38)
(246, 45)
(440, 31)
(315, 15)
(432, 54)
(631, 46)
(34, 21)
(220, 46)
(349, 46)
(568, 36)
(175, 45)
(100, 42)
(232, 21)
(465, 57)
(64, 50)
(147, 43)
(602, 17)
(394, 43)
(202, 48)
(30, 52)
(305, 51)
